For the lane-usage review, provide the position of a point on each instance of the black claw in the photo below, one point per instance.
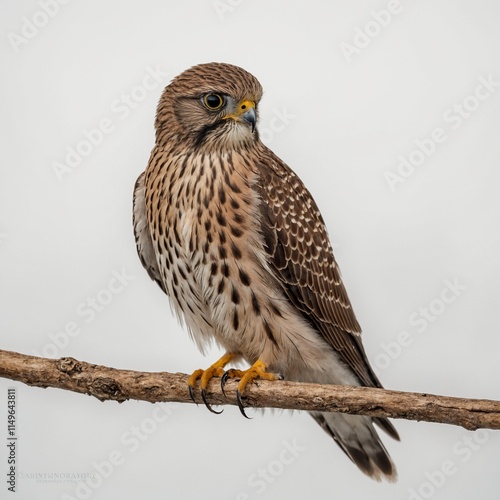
(280, 377)
(223, 381)
(191, 394)
(240, 405)
(204, 397)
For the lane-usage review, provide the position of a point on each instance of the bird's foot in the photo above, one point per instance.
(256, 371)
(216, 370)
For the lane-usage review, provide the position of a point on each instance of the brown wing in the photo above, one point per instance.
(302, 258)
(142, 235)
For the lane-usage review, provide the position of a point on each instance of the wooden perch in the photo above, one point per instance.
(120, 385)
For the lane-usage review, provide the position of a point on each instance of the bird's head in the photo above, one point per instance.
(211, 105)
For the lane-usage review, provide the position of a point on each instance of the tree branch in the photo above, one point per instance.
(120, 385)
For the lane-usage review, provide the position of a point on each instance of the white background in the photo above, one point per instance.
(349, 119)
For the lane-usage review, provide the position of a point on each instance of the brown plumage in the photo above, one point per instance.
(234, 238)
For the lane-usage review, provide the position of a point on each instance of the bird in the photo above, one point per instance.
(234, 238)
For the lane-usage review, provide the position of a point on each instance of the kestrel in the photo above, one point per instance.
(235, 239)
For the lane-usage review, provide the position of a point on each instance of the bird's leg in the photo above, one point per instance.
(256, 371)
(215, 370)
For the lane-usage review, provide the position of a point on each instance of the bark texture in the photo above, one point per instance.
(107, 383)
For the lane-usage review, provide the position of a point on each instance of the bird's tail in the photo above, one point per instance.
(359, 440)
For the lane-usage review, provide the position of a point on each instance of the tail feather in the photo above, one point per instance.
(359, 440)
(387, 427)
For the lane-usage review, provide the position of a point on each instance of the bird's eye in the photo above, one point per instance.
(213, 101)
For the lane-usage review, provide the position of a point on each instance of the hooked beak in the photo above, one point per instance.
(245, 112)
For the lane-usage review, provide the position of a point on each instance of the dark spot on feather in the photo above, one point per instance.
(235, 231)
(176, 295)
(275, 309)
(182, 273)
(221, 219)
(222, 195)
(235, 251)
(255, 304)
(213, 268)
(222, 252)
(245, 279)
(236, 320)
(238, 218)
(235, 296)
(235, 188)
(230, 161)
(269, 333)
(225, 269)
(176, 233)
(220, 288)
(184, 166)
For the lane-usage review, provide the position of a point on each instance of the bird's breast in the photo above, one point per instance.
(203, 212)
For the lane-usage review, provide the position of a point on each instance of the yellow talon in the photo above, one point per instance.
(256, 371)
(215, 370)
